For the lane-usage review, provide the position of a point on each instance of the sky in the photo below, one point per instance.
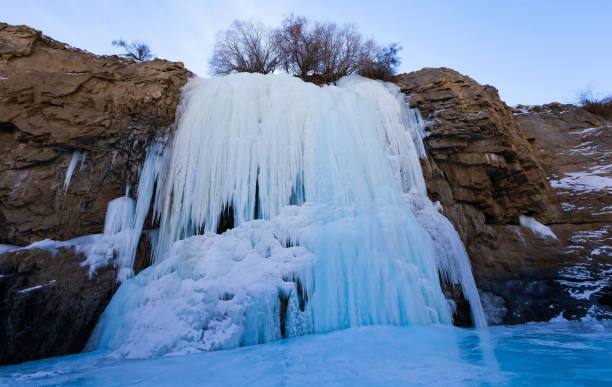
(533, 52)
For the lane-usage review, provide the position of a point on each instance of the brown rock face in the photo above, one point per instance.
(56, 100)
(478, 157)
(574, 147)
(48, 303)
(485, 170)
(57, 104)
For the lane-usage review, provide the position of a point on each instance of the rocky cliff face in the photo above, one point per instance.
(56, 103)
(488, 165)
(60, 105)
(574, 148)
(49, 304)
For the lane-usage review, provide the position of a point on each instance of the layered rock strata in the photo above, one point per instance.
(490, 167)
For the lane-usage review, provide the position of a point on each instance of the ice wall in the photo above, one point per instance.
(333, 227)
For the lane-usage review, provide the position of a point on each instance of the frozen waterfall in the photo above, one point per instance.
(332, 224)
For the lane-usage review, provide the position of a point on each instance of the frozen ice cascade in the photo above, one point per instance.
(332, 226)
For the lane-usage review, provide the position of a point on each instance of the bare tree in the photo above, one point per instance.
(341, 51)
(135, 50)
(297, 46)
(382, 62)
(316, 52)
(325, 52)
(244, 47)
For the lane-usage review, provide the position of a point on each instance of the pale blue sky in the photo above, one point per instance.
(533, 51)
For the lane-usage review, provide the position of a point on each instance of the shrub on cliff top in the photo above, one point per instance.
(318, 52)
(135, 50)
(385, 63)
(599, 106)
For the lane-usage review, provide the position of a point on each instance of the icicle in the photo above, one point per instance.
(83, 156)
(73, 162)
(119, 215)
(113, 160)
(125, 220)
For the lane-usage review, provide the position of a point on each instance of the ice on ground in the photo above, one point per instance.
(554, 353)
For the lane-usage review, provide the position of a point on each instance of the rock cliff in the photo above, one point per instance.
(61, 106)
(58, 102)
(489, 165)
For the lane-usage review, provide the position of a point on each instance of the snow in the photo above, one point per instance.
(602, 250)
(97, 248)
(604, 211)
(536, 227)
(588, 131)
(201, 303)
(586, 149)
(333, 226)
(583, 182)
(582, 280)
(589, 236)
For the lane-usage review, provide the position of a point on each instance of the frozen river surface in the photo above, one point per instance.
(557, 353)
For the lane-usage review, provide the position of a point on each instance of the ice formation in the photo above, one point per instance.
(536, 227)
(76, 156)
(125, 219)
(332, 224)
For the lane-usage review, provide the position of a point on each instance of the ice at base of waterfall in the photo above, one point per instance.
(536, 354)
